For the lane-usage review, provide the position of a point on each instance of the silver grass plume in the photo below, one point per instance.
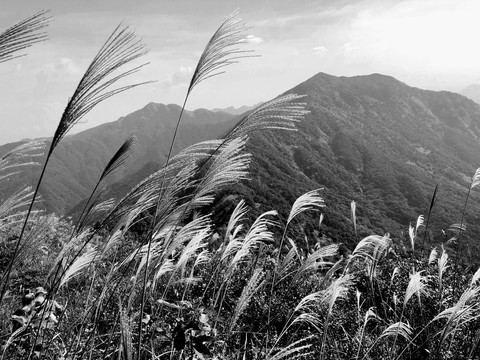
(229, 166)
(420, 221)
(120, 157)
(283, 113)
(308, 201)
(13, 204)
(41, 228)
(475, 277)
(194, 246)
(315, 261)
(308, 309)
(412, 231)
(475, 179)
(23, 35)
(395, 272)
(295, 350)
(288, 261)
(368, 246)
(337, 290)
(145, 195)
(417, 285)
(170, 179)
(464, 311)
(191, 230)
(80, 263)
(259, 232)
(433, 256)
(120, 49)
(353, 207)
(97, 210)
(20, 156)
(67, 250)
(411, 235)
(115, 163)
(377, 254)
(237, 215)
(442, 266)
(221, 50)
(400, 328)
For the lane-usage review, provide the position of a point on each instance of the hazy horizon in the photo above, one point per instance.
(427, 44)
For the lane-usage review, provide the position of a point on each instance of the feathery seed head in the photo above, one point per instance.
(120, 49)
(433, 256)
(221, 50)
(23, 35)
(308, 201)
(400, 329)
(475, 179)
(417, 285)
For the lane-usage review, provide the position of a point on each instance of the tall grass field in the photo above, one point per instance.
(184, 288)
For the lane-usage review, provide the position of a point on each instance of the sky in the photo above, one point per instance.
(431, 44)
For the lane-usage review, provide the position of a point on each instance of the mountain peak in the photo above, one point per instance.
(375, 78)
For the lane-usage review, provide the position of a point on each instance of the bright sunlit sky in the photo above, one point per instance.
(431, 44)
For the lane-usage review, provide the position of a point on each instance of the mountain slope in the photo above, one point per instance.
(379, 142)
(79, 159)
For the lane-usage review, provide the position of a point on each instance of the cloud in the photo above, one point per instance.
(348, 48)
(252, 39)
(320, 50)
(178, 78)
(59, 71)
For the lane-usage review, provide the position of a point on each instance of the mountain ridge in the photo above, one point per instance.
(371, 138)
(79, 159)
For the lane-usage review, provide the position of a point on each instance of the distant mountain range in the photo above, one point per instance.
(236, 111)
(472, 92)
(372, 139)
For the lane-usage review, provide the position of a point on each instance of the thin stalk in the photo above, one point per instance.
(150, 232)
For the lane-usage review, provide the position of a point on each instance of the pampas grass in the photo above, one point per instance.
(22, 35)
(94, 87)
(227, 287)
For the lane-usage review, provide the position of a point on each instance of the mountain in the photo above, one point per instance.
(237, 111)
(374, 140)
(79, 159)
(379, 142)
(472, 92)
(371, 139)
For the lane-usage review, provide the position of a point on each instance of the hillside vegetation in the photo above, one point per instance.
(182, 267)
